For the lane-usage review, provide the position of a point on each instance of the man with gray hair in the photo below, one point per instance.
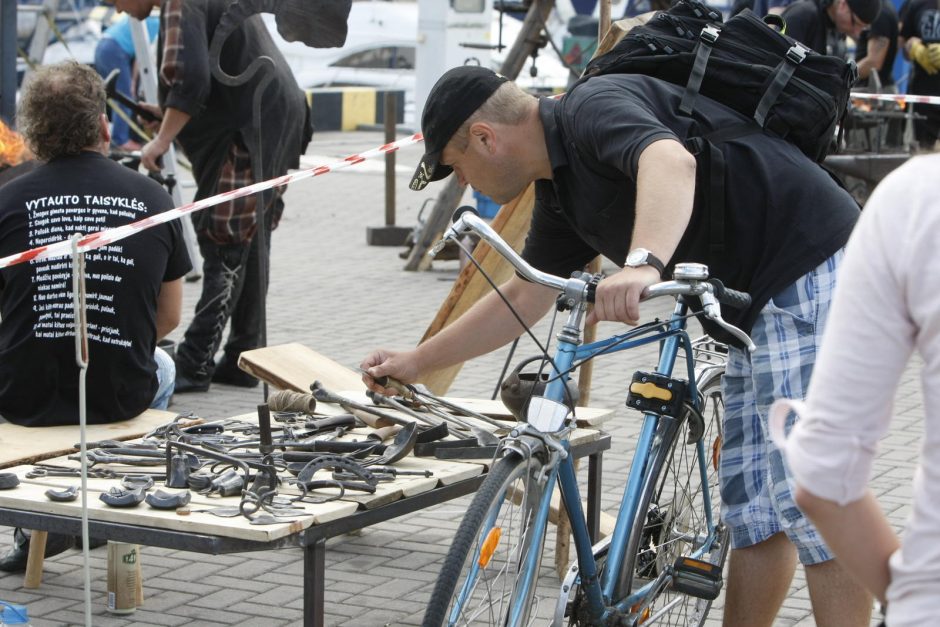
(133, 287)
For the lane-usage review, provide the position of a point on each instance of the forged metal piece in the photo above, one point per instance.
(62, 496)
(49, 470)
(229, 483)
(221, 512)
(137, 482)
(177, 472)
(8, 480)
(120, 497)
(482, 436)
(159, 499)
(198, 482)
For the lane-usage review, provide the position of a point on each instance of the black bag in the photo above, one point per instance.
(787, 89)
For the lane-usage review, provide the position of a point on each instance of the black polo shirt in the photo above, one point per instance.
(784, 214)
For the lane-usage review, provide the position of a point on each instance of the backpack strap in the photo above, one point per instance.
(712, 163)
(703, 50)
(782, 74)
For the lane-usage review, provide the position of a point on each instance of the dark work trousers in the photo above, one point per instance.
(230, 290)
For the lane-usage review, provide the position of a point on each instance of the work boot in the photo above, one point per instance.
(186, 384)
(230, 374)
(15, 560)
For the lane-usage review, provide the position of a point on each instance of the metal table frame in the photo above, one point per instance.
(312, 540)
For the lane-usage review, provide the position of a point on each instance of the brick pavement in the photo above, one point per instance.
(332, 292)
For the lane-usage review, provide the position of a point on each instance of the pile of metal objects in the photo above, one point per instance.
(319, 456)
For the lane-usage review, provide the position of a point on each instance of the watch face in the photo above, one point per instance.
(637, 257)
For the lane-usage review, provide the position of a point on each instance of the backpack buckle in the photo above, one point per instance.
(710, 34)
(796, 54)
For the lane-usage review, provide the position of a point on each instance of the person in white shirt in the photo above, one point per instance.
(886, 307)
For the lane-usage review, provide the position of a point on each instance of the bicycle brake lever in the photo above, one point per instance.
(713, 312)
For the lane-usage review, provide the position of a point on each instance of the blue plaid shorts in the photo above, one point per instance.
(756, 487)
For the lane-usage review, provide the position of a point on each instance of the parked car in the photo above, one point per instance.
(380, 52)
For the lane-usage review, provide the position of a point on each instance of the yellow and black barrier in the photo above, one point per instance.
(346, 108)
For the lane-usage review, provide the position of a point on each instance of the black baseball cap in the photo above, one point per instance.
(454, 97)
(865, 10)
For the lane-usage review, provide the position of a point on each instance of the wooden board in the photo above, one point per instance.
(294, 367)
(512, 224)
(587, 416)
(22, 445)
(30, 495)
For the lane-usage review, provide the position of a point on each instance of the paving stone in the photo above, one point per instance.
(333, 293)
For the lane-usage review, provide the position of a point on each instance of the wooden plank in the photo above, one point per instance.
(587, 416)
(33, 492)
(28, 445)
(512, 223)
(295, 366)
(31, 497)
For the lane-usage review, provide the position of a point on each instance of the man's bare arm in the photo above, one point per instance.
(483, 328)
(665, 196)
(875, 56)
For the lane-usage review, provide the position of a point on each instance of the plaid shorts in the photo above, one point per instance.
(756, 487)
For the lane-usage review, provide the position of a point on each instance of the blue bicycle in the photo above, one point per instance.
(663, 563)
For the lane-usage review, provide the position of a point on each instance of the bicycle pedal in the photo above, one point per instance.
(697, 578)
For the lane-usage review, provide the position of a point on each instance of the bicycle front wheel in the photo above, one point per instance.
(483, 569)
(672, 522)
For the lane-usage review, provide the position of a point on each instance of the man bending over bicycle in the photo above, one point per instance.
(613, 177)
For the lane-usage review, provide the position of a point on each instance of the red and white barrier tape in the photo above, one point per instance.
(900, 98)
(104, 238)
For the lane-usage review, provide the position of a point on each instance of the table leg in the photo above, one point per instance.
(314, 584)
(595, 470)
(34, 561)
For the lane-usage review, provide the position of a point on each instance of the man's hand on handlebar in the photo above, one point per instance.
(381, 363)
(618, 296)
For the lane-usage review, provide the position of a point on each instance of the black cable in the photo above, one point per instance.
(518, 318)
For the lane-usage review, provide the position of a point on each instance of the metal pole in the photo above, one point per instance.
(8, 61)
(391, 116)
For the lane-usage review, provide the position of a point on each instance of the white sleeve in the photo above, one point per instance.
(868, 339)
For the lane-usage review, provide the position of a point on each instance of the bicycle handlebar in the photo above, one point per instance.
(689, 279)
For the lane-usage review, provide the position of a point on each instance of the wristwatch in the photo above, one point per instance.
(642, 257)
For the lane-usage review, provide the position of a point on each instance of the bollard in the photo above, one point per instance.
(389, 235)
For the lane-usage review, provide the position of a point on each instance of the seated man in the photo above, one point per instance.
(134, 287)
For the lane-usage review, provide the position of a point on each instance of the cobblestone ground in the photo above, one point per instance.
(332, 292)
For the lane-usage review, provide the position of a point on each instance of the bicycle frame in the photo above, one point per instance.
(599, 594)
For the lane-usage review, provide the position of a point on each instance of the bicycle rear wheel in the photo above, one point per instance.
(671, 520)
(481, 571)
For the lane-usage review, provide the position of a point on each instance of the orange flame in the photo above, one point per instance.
(12, 148)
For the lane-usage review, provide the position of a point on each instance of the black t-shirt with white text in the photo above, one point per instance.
(784, 215)
(85, 193)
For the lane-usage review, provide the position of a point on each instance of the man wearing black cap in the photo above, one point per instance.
(822, 25)
(613, 177)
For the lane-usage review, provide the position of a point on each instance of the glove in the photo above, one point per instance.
(933, 53)
(921, 54)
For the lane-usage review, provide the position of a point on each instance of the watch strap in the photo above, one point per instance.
(650, 260)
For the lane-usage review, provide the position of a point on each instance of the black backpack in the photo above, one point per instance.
(787, 89)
